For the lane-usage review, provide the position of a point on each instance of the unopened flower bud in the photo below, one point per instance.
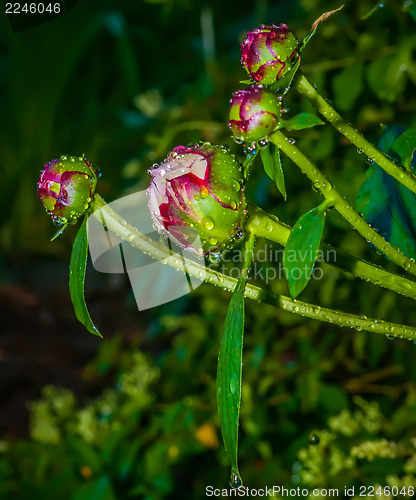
(268, 52)
(254, 113)
(66, 187)
(198, 189)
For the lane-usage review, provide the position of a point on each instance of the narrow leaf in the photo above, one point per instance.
(273, 167)
(405, 146)
(301, 121)
(229, 373)
(301, 249)
(59, 231)
(305, 40)
(77, 269)
(325, 16)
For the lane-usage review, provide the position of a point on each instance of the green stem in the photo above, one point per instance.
(304, 87)
(103, 212)
(262, 225)
(339, 203)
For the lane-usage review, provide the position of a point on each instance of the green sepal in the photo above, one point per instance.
(59, 231)
(286, 81)
(302, 248)
(273, 167)
(246, 82)
(301, 121)
(229, 373)
(77, 269)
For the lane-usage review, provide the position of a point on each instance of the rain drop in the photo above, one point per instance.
(204, 192)
(215, 258)
(314, 439)
(208, 223)
(235, 481)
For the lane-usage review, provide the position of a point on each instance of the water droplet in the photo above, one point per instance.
(236, 185)
(208, 223)
(234, 384)
(130, 237)
(250, 148)
(235, 481)
(314, 439)
(203, 192)
(213, 241)
(215, 258)
(239, 235)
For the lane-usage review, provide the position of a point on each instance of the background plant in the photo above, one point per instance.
(354, 354)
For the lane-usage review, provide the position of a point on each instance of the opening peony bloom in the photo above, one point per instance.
(254, 113)
(199, 189)
(66, 187)
(268, 52)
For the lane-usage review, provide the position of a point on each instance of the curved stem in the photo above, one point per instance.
(262, 225)
(339, 203)
(104, 213)
(304, 87)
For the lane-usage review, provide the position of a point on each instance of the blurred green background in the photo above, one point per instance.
(134, 415)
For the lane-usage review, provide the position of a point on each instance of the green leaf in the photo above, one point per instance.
(98, 489)
(301, 249)
(387, 76)
(77, 269)
(273, 167)
(405, 146)
(347, 85)
(301, 121)
(410, 7)
(229, 373)
(388, 205)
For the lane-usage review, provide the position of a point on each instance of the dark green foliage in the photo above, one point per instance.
(384, 202)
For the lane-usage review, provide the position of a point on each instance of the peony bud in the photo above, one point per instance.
(199, 187)
(268, 52)
(66, 187)
(254, 113)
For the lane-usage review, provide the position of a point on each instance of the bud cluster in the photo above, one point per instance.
(267, 54)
